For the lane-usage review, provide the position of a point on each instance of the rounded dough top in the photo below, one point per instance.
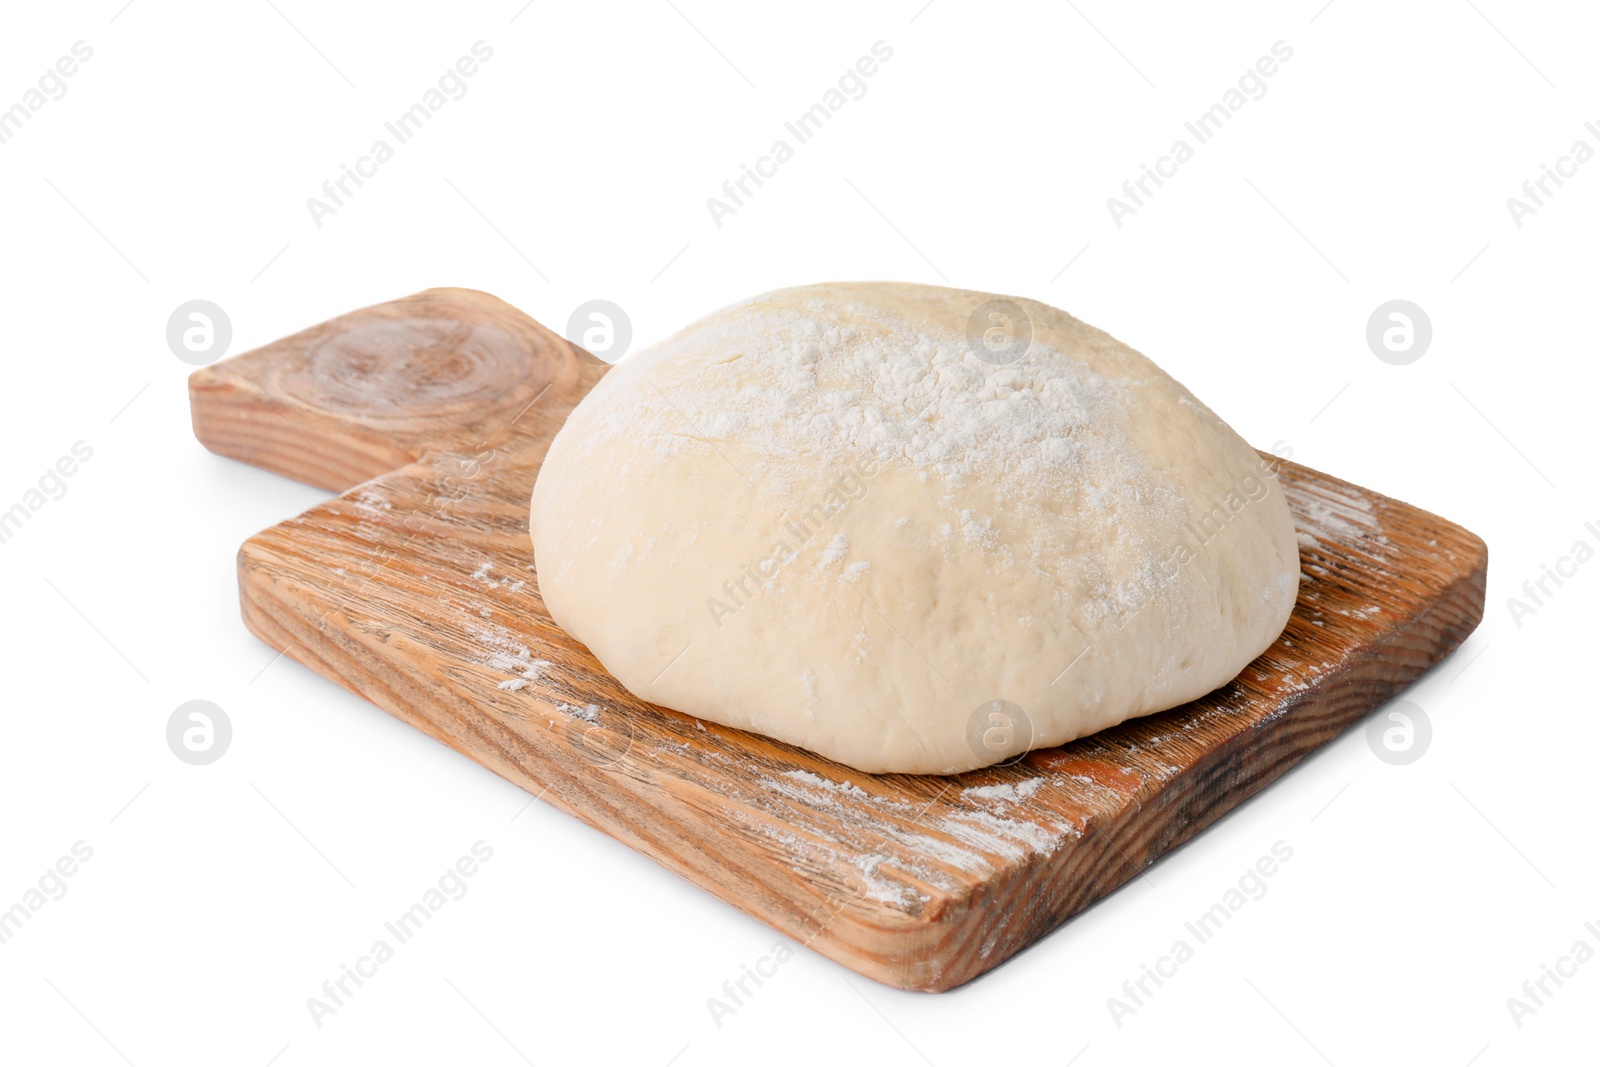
(819, 515)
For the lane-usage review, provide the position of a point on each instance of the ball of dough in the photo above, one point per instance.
(909, 528)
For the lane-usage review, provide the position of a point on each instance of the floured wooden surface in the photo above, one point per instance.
(417, 590)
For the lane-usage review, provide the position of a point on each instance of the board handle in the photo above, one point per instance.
(373, 390)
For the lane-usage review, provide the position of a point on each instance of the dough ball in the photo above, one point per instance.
(909, 528)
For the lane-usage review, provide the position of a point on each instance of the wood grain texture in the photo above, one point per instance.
(368, 392)
(416, 589)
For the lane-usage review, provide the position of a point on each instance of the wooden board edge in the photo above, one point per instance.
(280, 621)
(1225, 779)
(252, 429)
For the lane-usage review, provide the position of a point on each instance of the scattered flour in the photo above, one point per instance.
(1005, 790)
(588, 713)
(845, 788)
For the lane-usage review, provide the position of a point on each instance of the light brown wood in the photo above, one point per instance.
(369, 392)
(416, 589)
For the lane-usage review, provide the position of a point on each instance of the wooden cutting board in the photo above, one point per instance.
(416, 589)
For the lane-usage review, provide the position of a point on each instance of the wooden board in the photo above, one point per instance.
(416, 589)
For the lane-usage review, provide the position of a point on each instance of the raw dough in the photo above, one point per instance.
(847, 516)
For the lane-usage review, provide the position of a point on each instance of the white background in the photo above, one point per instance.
(1377, 166)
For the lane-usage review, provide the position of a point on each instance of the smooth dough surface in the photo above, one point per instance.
(826, 516)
